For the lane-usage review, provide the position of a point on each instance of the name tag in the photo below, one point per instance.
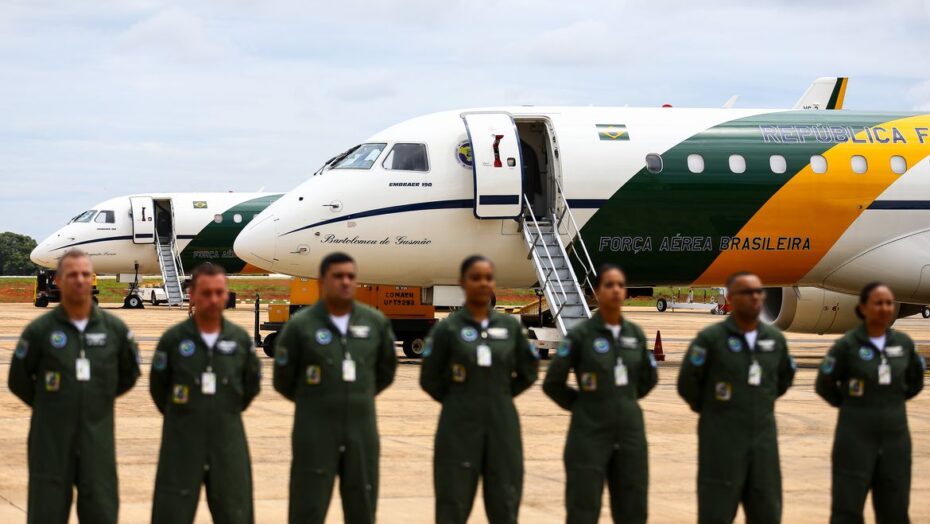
(484, 356)
(208, 383)
(359, 331)
(348, 369)
(894, 351)
(227, 346)
(628, 342)
(766, 345)
(498, 333)
(82, 369)
(95, 339)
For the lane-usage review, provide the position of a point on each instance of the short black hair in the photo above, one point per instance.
(207, 269)
(866, 293)
(471, 261)
(605, 268)
(337, 257)
(739, 274)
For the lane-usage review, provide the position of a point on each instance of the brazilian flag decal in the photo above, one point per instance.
(612, 132)
(200, 204)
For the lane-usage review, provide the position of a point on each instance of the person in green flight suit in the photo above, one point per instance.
(731, 375)
(869, 373)
(607, 436)
(70, 364)
(331, 359)
(204, 375)
(475, 361)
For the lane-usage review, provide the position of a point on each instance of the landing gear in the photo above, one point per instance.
(925, 312)
(41, 301)
(268, 344)
(133, 301)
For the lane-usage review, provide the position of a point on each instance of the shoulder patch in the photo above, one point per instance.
(22, 349)
(428, 347)
(159, 360)
(652, 360)
(697, 355)
(533, 350)
(565, 347)
(828, 365)
(280, 355)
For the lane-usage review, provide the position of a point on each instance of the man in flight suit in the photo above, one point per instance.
(70, 365)
(204, 374)
(731, 375)
(331, 359)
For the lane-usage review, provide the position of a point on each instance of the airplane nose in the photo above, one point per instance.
(258, 241)
(41, 256)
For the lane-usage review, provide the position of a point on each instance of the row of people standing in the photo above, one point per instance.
(335, 357)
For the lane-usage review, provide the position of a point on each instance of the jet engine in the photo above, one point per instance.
(816, 310)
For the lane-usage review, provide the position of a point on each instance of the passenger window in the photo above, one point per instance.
(778, 164)
(407, 157)
(737, 164)
(653, 163)
(695, 163)
(237, 218)
(360, 157)
(898, 164)
(818, 164)
(218, 218)
(106, 217)
(859, 164)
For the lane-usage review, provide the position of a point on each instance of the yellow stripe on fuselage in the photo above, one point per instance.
(820, 207)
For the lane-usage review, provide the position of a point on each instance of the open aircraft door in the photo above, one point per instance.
(497, 165)
(143, 220)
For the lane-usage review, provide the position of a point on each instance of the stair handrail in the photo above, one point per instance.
(575, 235)
(548, 253)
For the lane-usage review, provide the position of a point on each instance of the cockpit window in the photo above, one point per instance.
(106, 217)
(361, 157)
(85, 216)
(407, 157)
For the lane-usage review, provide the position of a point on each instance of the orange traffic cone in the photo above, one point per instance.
(657, 351)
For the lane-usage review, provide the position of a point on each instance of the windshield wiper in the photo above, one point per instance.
(336, 159)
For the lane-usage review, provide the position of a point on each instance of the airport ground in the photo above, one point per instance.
(407, 421)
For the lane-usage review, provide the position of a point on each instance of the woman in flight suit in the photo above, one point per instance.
(606, 438)
(475, 362)
(869, 374)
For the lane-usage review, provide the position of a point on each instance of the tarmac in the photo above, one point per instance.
(407, 421)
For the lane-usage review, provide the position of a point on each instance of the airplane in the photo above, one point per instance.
(816, 202)
(158, 234)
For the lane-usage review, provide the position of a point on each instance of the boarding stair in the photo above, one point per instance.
(565, 271)
(172, 272)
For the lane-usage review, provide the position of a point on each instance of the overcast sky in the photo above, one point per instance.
(110, 97)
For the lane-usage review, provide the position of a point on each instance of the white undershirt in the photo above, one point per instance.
(751, 338)
(878, 342)
(485, 323)
(341, 322)
(81, 325)
(615, 329)
(209, 338)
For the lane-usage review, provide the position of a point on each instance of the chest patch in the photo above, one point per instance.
(589, 381)
(735, 344)
(458, 373)
(856, 387)
(498, 333)
(227, 346)
(601, 345)
(894, 351)
(314, 375)
(866, 353)
(58, 339)
(180, 394)
(766, 345)
(360, 331)
(95, 339)
(323, 336)
(52, 381)
(469, 334)
(723, 391)
(628, 342)
(186, 348)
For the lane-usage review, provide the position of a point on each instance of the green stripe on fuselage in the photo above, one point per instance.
(637, 227)
(214, 243)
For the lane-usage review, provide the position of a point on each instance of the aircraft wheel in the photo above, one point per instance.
(925, 312)
(661, 305)
(41, 302)
(413, 347)
(133, 302)
(268, 344)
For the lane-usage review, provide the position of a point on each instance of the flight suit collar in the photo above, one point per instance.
(598, 323)
(192, 331)
(319, 310)
(764, 330)
(95, 315)
(861, 334)
(466, 316)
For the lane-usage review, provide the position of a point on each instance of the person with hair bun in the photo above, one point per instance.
(607, 435)
(869, 374)
(474, 363)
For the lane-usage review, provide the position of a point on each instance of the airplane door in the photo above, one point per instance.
(498, 168)
(143, 220)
